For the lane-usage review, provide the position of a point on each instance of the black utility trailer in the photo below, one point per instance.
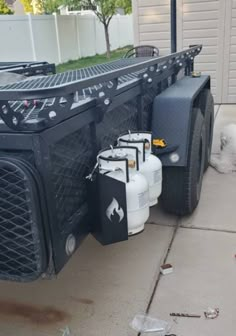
(49, 145)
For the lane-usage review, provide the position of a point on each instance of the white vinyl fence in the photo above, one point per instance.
(59, 38)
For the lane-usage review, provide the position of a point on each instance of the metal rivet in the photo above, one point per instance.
(52, 115)
(107, 101)
(101, 94)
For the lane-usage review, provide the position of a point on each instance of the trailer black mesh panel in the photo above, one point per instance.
(117, 121)
(147, 108)
(25, 155)
(71, 162)
(20, 248)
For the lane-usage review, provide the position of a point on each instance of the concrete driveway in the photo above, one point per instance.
(102, 288)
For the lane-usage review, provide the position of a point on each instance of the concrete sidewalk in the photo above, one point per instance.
(102, 288)
(203, 256)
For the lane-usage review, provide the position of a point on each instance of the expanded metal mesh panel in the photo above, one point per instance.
(20, 248)
(147, 108)
(25, 155)
(117, 121)
(71, 161)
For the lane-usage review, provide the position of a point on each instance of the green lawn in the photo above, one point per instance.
(88, 61)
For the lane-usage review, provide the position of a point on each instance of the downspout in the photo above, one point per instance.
(173, 26)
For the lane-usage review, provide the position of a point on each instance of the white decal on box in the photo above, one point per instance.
(114, 209)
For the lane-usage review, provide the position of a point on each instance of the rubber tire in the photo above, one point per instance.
(182, 185)
(207, 108)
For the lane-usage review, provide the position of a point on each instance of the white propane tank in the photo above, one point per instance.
(150, 165)
(126, 170)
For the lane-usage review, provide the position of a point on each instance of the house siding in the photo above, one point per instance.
(211, 23)
(152, 24)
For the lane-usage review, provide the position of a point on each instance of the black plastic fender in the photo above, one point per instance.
(172, 116)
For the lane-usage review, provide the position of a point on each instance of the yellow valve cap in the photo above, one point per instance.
(159, 143)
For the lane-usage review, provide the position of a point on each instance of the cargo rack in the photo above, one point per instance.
(39, 103)
(28, 68)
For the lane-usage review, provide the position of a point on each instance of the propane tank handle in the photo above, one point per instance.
(139, 144)
(142, 140)
(122, 160)
(114, 164)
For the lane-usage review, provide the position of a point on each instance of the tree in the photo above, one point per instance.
(28, 8)
(104, 10)
(126, 5)
(49, 6)
(4, 9)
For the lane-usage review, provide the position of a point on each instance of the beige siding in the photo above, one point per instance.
(201, 24)
(211, 23)
(152, 24)
(229, 76)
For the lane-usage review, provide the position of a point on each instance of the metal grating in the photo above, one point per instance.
(71, 76)
(20, 249)
(30, 109)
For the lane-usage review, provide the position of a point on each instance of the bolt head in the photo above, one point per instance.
(107, 101)
(101, 94)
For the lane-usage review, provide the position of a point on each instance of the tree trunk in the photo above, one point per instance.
(107, 41)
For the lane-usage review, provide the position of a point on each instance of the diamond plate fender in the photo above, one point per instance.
(171, 117)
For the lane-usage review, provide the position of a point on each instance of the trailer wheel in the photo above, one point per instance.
(182, 185)
(208, 112)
